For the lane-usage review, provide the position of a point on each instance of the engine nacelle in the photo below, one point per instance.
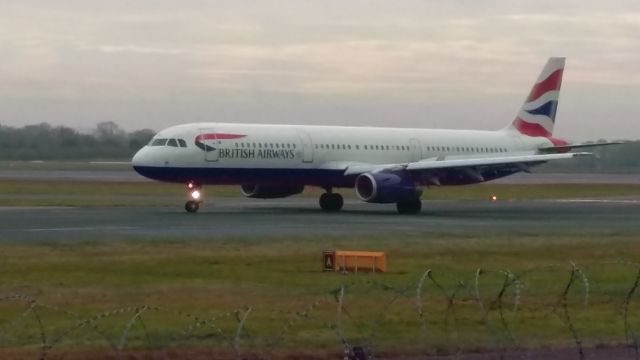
(386, 188)
(258, 191)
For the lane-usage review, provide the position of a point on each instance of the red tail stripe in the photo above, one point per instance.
(530, 129)
(559, 142)
(549, 84)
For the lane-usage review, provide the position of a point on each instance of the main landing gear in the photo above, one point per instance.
(412, 206)
(195, 198)
(331, 202)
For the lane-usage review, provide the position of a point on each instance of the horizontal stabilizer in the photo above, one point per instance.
(569, 147)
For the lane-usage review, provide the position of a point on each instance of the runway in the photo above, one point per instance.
(244, 218)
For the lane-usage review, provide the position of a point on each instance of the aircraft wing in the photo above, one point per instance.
(468, 164)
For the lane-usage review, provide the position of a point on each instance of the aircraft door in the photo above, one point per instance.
(307, 146)
(208, 142)
(416, 149)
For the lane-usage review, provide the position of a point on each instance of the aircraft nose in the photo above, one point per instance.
(139, 159)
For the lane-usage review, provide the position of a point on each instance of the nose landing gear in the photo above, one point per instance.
(195, 198)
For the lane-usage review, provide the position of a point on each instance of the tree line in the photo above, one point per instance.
(46, 142)
(108, 141)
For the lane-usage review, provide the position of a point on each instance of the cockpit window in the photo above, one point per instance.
(158, 142)
(182, 143)
(172, 142)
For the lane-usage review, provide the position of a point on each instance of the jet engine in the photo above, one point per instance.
(258, 191)
(386, 187)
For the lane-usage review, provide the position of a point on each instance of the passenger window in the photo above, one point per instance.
(357, 147)
(349, 147)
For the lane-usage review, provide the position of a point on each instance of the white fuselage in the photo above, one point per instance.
(223, 153)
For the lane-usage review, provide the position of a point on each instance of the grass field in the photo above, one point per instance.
(122, 193)
(172, 294)
(97, 165)
(280, 280)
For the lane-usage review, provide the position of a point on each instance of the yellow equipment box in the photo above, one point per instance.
(339, 260)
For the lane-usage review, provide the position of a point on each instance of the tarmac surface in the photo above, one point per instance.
(300, 217)
(130, 175)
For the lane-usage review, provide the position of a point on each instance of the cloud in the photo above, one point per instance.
(371, 52)
(135, 49)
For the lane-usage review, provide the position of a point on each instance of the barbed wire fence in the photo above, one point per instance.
(440, 312)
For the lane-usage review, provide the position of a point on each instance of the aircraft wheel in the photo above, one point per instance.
(191, 206)
(331, 202)
(409, 206)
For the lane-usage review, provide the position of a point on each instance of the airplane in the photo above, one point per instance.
(383, 165)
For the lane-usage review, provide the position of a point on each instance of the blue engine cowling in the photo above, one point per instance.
(386, 187)
(258, 191)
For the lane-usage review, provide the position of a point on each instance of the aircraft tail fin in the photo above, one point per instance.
(537, 115)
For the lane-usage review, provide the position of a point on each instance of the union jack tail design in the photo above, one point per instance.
(538, 113)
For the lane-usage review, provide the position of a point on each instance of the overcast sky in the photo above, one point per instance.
(406, 63)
